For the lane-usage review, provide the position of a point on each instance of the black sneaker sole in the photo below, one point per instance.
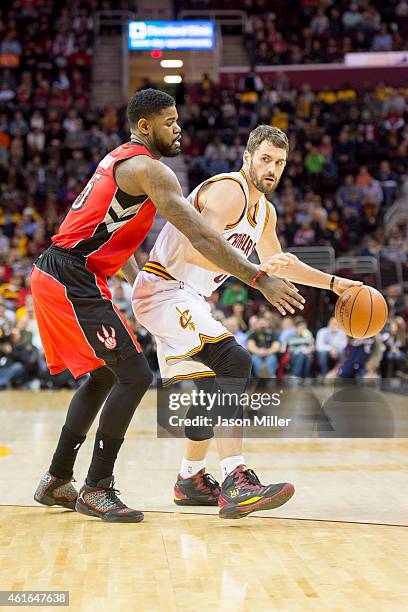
(135, 518)
(50, 501)
(233, 511)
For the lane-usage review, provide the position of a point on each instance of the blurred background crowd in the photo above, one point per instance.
(312, 31)
(348, 164)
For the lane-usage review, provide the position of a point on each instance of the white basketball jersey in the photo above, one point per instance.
(167, 256)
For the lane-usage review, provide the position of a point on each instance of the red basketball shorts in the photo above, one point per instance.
(80, 328)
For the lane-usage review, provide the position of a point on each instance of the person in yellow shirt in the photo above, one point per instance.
(327, 95)
(347, 93)
(280, 119)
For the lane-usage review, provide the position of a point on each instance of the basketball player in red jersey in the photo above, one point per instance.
(80, 327)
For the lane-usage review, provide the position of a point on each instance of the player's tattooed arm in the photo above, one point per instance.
(270, 253)
(152, 177)
(130, 270)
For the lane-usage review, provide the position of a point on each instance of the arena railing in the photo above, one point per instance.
(390, 265)
(359, 267)
(112, 19)
(398, 212)
(320, 257)
(358, 264)
(221, 17)
(337, 74)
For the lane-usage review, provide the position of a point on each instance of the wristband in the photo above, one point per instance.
(257, 277)
(333, 278)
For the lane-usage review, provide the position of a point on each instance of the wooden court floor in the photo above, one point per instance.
(340, 544)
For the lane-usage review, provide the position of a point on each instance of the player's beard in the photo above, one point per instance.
(165, 149)
(265, 189)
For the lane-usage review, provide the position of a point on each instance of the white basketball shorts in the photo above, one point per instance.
(180, 320)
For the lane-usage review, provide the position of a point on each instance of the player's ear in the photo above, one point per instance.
(247, 157)
(142, 126)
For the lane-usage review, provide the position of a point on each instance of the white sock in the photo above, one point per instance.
(189, 468)
(229, 464)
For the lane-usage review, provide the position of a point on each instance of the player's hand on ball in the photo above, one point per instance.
(342, 284)
(277, 263)
(281, 293)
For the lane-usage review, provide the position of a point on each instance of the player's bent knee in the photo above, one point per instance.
(133, 371)
(226, 358)
(198, 434)
(236, 363)
(243, 360)
(102, 379)
(145, 377)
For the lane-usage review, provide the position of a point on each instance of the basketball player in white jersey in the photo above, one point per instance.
(169, 300)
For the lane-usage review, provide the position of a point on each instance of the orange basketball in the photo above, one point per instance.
(361, 311)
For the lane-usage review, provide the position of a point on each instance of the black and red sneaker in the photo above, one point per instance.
(242, 493)
(53, 491)
(198, 490)
(103, 502)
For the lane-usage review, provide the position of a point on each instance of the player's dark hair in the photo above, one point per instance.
(147, 103)
(269, 133)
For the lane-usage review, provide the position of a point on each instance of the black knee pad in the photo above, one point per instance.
(196, 432)
(237, 362)
(133, 371)
(200, 432)
(232, 365)
(226, 358)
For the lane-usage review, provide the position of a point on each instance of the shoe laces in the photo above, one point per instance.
(210, 482)
(112, 496)
(249, 479)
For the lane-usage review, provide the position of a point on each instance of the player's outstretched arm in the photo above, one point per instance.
(269, 247)
(162, 186)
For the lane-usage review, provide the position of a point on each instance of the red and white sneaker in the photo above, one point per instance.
(198, 490)
(242, 493)
(53, 491)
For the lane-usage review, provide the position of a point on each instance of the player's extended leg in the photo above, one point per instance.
(98, 497)
(241, 491)
(55, 487)
(82, 330)
(194, 486)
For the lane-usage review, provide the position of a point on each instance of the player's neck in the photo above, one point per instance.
(145, 142)
(254, 193)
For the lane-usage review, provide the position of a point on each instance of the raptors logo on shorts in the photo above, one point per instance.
(108, 340)
(70, 302)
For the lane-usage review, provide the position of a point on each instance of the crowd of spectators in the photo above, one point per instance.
(315, 31)
(348, 154)
(348, 150)
(50, 143)
(323, 32)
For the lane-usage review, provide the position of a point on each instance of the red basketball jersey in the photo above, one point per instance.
(105, 224)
